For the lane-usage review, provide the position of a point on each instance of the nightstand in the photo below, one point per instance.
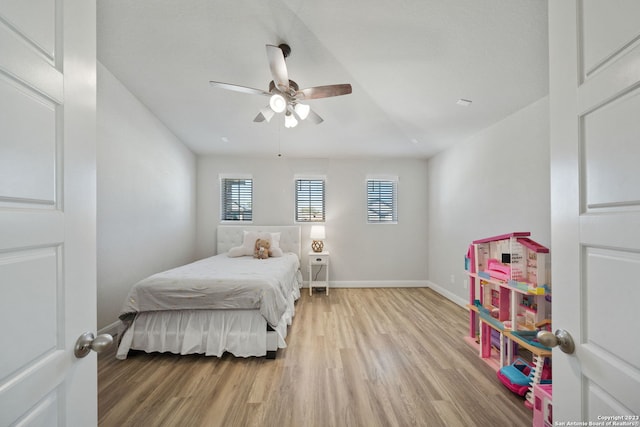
(321, 261)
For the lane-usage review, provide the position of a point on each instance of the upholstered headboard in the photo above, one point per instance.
(230, 236)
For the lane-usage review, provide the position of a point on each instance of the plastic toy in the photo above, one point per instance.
(543, 405)
(519, 376)
(498, 270)
(509, 299)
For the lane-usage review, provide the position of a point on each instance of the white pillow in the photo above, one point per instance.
(275, 250)
(236, 252)
(249, 241)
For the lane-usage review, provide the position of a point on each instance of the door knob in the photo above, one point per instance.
(560, 338)
(88, 342)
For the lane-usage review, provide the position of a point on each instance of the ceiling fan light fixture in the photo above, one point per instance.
(284, 93)
(290, 121)
(277, 103)
(302, 110)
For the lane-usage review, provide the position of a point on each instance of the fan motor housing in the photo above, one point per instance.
(285, 48)
(292, 85)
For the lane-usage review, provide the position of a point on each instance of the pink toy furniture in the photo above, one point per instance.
(509, 291)
(542, 405)
(498, 270)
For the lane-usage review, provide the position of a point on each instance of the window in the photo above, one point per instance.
(310, 200)
(236, 198)
(382, 200)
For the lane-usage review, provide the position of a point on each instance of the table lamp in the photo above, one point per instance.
(317, 235)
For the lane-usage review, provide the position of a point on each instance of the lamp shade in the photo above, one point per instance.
(317, 232)
(290, 121)
(277, 103)
(302, 110)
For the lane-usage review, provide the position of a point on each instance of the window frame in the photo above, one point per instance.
(393, 181)
(308, 220)
(224, 213)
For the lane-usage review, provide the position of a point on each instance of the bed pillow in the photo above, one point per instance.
(236, 251)
(249, 240)
(274, 239)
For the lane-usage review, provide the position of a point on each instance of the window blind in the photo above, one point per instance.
(381, 201)
(236, 199)
(310, 200)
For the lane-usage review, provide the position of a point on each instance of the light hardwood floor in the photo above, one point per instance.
(358, 357)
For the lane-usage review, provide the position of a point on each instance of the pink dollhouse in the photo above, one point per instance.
(509, 296)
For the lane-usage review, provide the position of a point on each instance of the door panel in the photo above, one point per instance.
(47, 211)
(611, 153)
(30, 279)
(608, 29)
(594, 80)
(608, 281)
(33, 20)
(28, 154)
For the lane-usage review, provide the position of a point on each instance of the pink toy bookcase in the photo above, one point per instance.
(508, 290)
(542, 405)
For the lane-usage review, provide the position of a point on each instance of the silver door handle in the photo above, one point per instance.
(560, 338)
(88, 342)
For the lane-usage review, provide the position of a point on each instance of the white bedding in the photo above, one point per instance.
(186, 316)
(220, 282)
(242, 333)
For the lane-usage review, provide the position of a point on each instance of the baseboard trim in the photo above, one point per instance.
(447, 294)
(397, 284)
(376, 284)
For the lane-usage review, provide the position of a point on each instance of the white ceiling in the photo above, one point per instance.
(408, 61)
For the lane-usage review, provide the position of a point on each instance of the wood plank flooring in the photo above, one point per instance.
(358, 357)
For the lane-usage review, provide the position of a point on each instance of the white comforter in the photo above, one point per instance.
(219, 282)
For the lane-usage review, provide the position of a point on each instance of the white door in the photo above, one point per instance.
(595, 230)
(47, 211)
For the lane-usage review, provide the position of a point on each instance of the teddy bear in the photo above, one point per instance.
(262, 249)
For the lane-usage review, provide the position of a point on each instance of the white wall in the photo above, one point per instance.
(146, 217)
(361, 254)
(149, 209)
(494, 183)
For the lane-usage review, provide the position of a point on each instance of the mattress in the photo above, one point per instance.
(220, 283)
(211, 306)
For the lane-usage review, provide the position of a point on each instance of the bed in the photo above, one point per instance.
(219, 304)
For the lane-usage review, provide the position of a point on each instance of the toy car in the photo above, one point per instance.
(518, 376)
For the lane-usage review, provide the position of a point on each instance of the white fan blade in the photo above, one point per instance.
(314, 117)
(278, 68)
(237, 88)
(265, 114)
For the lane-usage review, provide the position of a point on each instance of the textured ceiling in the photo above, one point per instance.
(408, 61)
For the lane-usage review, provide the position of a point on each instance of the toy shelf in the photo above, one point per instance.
(487, 322)
(509, 276)
(525, 341)
(516, 301)
(509, 287)
(509, 296)
(520, 287)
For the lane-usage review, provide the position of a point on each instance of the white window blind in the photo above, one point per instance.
(236, 199)
(310, 200)
(382, 201)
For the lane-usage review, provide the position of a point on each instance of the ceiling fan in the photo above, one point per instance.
(285, 95)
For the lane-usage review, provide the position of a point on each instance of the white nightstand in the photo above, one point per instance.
(321, 260)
